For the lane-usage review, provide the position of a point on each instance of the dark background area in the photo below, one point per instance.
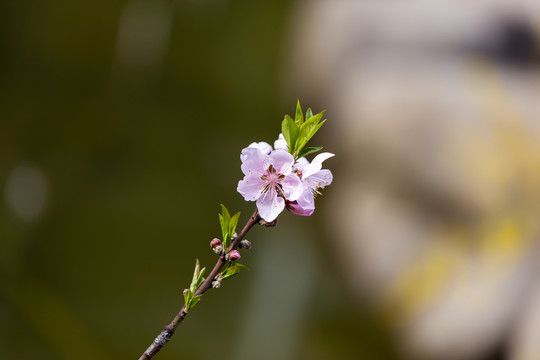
(133, 146)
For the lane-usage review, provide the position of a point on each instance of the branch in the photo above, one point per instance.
(169, 330)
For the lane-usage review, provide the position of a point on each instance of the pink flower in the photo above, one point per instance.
(269, 180)
(313, 179)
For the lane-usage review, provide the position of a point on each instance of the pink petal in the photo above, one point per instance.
(295, 208)
(292, 186)
(270, 205)
(304, 205)
(307, 200)
(251, 187)
(253, 161)
(282, 161)
(315, 165)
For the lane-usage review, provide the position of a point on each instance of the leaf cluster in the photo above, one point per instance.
(228, 225)
(197, 281)
(299, 131)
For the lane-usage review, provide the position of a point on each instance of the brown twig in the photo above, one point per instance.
(169, 330)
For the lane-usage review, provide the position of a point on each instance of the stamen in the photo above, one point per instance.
(279, 190)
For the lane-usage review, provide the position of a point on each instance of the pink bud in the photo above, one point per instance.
(216, 246)
(232, 256)
(215, 242)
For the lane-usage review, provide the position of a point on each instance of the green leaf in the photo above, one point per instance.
(200, 279)
(307, 130)
(197, 277)
(241, 266)
(194, 301)
(233, 223)
(224, 226)
(314, 131)
(187, 297)
(224, 219)
(196, 273)
(308, 150)
(299, 117)
(196, 282)
(309, 113)
(290, 132)
(232, 270)
(225, 213)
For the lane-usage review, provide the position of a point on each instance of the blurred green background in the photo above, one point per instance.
(121, 124)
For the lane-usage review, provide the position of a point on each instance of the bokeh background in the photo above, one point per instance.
(121, 124)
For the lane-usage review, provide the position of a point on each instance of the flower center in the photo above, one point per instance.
(272, 179)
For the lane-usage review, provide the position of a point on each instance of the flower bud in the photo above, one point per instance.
(245, 244)
(216, 246)
(216, 283)
(215, 242)
(232, 256)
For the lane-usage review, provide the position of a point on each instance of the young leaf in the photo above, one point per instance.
(233, 223)
(307, 130)
(290, 132)
(200, 279)
(314, 131)
(225, 213)
(224, 227)
(232, 270)
(241, 266)
(194, 301)
(224, 219)
(308, 150)
(299, 117)
(187, 297)
(196, 272)
(309, 113)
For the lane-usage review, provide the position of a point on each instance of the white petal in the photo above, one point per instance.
(264, 147)
(253, 161)
(315, 165)
(301, 163)
(251, 187)
(270, 205)
(282, 161)
(320, 179)
(280, 143)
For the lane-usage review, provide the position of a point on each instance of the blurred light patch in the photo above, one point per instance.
(436, 198)
(525, 342)
(143, 33)
(26, 192)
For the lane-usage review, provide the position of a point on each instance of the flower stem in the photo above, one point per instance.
(169, 330)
